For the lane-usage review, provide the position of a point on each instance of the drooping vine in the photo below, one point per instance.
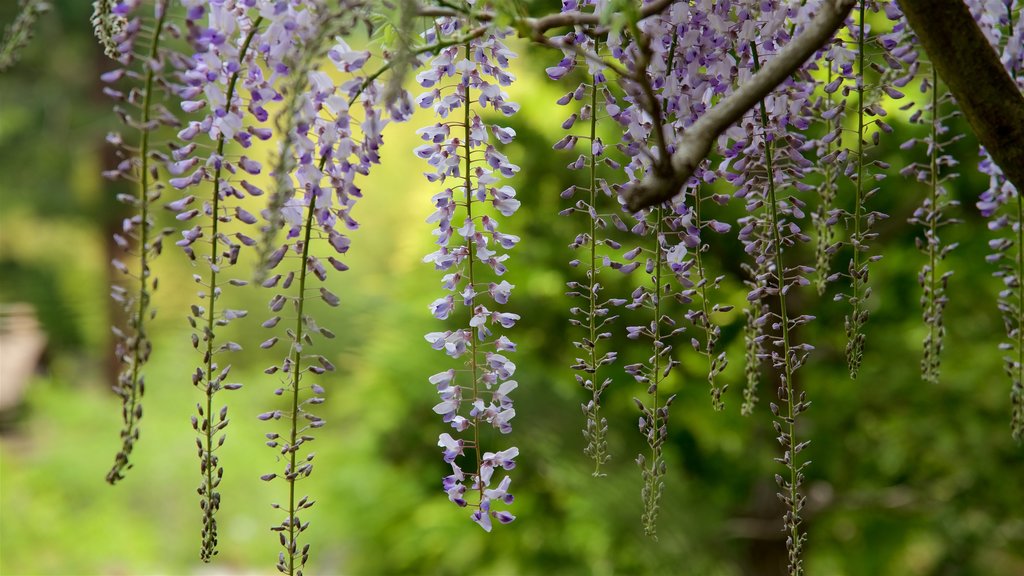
(895, 67)
(771, 164)
(471, 249)
(838, 61)
(1003, 204)
(335, 138)
(223, 65)
(145, 75)
(933, 216)
(594, 315)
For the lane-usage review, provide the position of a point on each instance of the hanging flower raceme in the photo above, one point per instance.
(460, 149)
(225, 82)
(595, 103)
(895, 60)
(145, 66)
(335, 134)
(1002, 203)
(666, 258)
(838, 59)
(933, 215)
(668, 262)
(763, 159)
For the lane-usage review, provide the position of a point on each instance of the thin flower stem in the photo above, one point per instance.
(209, 460)
(794, 539)
(933, 343)
(828, 194)
(1017, 391)
(652, 476)
(472, 279)
(709, 336)
(592, 273)
(854, 322)
(292, 475)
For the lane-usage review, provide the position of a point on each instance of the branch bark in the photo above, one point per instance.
(668, 177)
(991, 101)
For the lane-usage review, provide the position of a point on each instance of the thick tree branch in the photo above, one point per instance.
(668, 177)
(989, 98)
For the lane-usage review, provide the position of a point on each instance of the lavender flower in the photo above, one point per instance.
(469, 242)
(932, 215)
(1003, 205)
(334, 137)
(146, 74)
(223, 64)
(594, 316)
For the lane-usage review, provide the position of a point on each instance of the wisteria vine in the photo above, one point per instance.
(461, 150)
(137, 236)
(594, 316)
(646, 74)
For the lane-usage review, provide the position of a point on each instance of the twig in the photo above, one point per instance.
(537, 27)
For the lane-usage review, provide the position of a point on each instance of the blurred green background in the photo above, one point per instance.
(906, 478)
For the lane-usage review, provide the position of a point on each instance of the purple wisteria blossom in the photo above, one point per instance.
(933, 215)
(335, 120)
(659, 106)
(472, 251)
(763, 159)
(145, 70)
(690, 68)
(895, 59)
(591, 100)
(226, 85)
(1003, 25)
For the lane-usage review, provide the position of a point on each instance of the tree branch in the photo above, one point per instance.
(537, 27)
(669, 176)
(991, 101)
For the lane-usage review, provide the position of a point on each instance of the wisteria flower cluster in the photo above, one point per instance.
(1003, 25)
(593, 102)
(765, 162)
(144, 69)
(460, 149)
(222, 67)
(334, 137)
(890, 56)
(933, 216)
